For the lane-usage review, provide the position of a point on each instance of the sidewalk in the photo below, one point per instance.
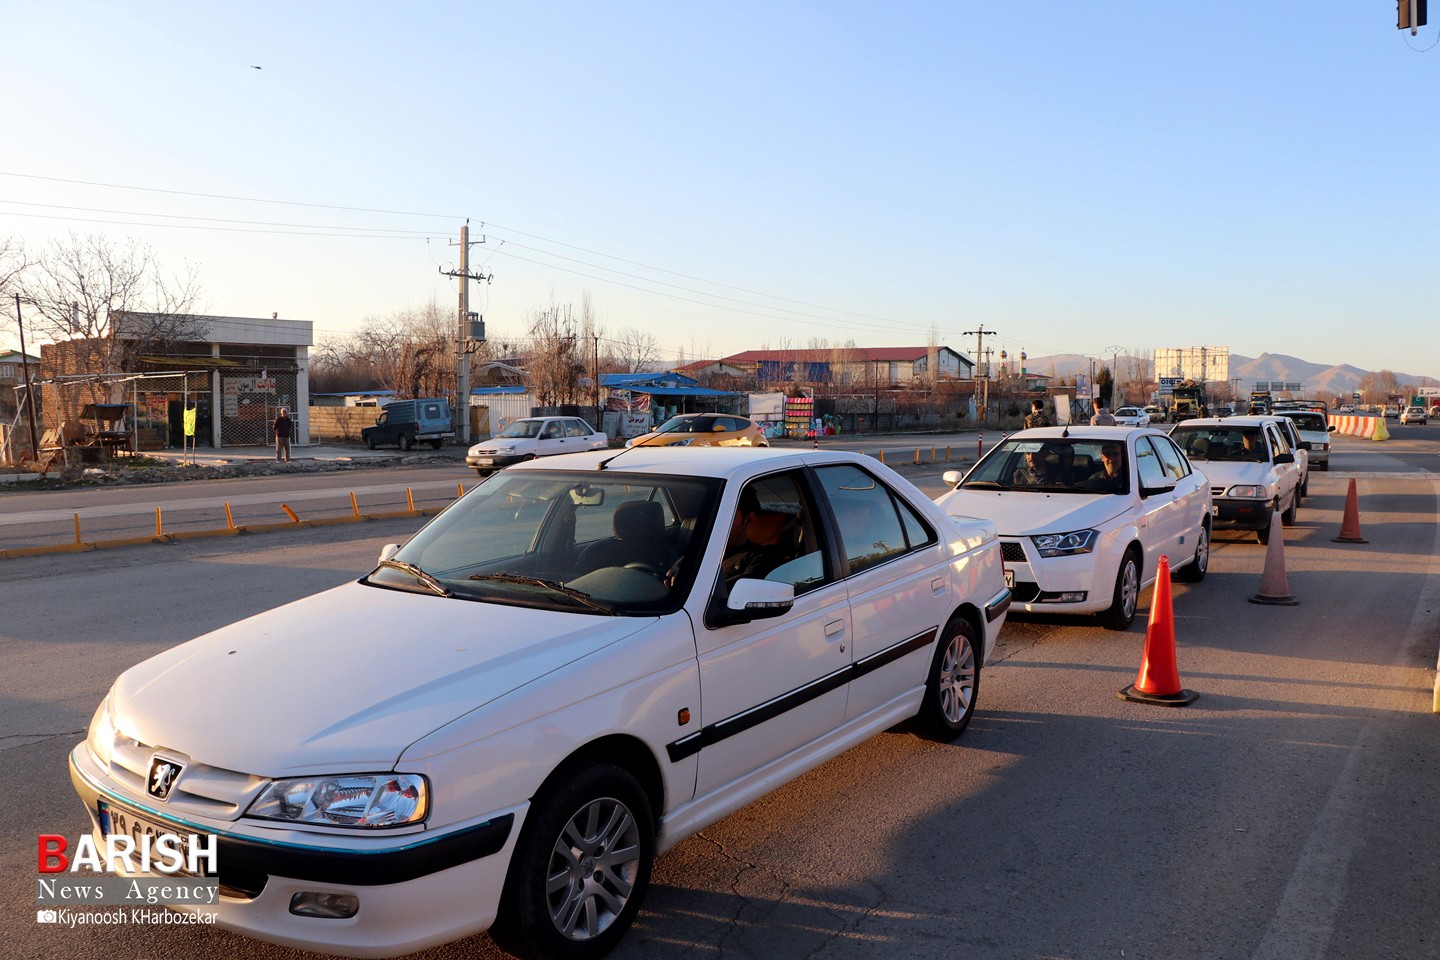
(207, 457)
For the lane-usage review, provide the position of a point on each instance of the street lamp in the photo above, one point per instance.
(1115, 376)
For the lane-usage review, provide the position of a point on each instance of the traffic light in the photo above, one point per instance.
(1409, 15)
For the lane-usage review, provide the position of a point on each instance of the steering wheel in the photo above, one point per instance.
(655, 570)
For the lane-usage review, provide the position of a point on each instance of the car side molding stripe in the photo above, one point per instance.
(712, 734)
(997, 605)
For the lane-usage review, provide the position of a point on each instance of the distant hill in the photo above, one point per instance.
(1319, 379)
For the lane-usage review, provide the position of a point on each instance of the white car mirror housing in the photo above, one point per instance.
(952, 477)
(752, 600)
(388, 551)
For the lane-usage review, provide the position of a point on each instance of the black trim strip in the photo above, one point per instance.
(692, 744)
(1000, 603)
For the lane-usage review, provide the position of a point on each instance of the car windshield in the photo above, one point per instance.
(1060, 465)
(522, 428)
(1309, 421)
(1221, 443)
(579, 542)
(687, 424)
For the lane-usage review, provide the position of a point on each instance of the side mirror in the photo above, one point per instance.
(1330, 428)
(754, 600)
(952, 477)
(1164, 485)
(388, 551)
(1284, 458)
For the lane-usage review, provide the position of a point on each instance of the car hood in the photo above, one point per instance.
(347, 679)
(1018, 513)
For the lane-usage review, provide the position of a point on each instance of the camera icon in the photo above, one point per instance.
(47, 916)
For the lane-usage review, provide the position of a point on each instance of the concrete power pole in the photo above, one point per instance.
(979, 336)
(468, 331)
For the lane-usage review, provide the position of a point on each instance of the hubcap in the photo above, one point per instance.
(1129, 589)
(592, 869)
(1202, 551)
(957, 679)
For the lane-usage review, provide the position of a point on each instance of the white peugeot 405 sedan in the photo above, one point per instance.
(578, 664)
(1085, 513)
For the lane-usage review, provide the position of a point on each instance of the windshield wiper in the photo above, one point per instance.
(554, 585)
(984, 485)
(420, 575)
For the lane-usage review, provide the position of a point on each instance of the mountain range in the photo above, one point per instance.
(1320, 380)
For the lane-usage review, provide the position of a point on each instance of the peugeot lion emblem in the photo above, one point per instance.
(163, 774)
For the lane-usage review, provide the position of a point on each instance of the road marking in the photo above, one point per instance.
(1305, 919)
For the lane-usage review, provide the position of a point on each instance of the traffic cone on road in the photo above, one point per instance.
(1350, 525)
(1274, 584)
(1158, 681)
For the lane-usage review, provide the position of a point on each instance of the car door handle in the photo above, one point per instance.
(937, 586)
(834, 627)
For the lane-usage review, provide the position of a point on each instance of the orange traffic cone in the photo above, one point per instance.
(1350, 526)
(1274, 584)
(1158, 682)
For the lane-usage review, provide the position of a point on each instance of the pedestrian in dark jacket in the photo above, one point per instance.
(282, 436)
(1036, 417)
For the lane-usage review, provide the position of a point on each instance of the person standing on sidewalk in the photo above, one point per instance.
(1037, 416)
(1102, 416)
(282, 436)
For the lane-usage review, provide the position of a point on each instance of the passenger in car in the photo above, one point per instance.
(760, 540)
(1111, 475)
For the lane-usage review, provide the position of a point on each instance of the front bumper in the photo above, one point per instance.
(494, 461)
(1241, 514)
(415, 890)
(1063, 585)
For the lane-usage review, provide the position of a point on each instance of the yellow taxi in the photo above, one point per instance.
(704, 430)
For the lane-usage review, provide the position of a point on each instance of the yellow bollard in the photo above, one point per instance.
(289, 513)
(881, 455)
(354, 505)
(77, 528)
(917, 455)
(932, 454)
(229, 518)
(410, 499)
(947, 454)
(159, 531)
(459, 489)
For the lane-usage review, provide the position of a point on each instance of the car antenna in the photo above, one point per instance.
(604, 463)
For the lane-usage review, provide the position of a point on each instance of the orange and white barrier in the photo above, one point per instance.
(1372, 428)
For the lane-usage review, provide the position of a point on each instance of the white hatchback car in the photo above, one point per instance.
(531, 437)
(1132, 417)
(572, 668)
(1251, 466)
(1085, 513)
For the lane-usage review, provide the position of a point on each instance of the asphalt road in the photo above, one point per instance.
(1288, 813)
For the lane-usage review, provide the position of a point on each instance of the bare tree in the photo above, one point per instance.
(409, 351)
(13, 262)
(554, 363)
(113, 295)
(635, 350)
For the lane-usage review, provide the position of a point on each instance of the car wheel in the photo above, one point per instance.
(1288, 517)
(581, 866)
(370, 442)
(1195, 570)
(1324, 466)
(1263, 534)
(953, 683)
(1127, 594)
(481, 471)
(404, 442)
(436, 444)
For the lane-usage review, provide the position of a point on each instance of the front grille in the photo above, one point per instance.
(200, 790)
(1012, 552)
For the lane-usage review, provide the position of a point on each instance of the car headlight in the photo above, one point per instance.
(102, 731)
(1065, 544)
(358, 800)
(1246, 490)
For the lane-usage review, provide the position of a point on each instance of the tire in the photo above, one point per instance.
(590, 821)
(953, 684)
(1288, 517)
(1195, 570)
(1325, 465)
(1127, 594)
(405, 442)
(436, 444)
(370, 443)
(1263, 534)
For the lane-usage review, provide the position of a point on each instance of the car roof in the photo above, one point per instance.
(1247, 421)
(716, 462)
(1083, 431)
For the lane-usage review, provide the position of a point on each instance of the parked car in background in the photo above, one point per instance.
(704, 430)
(557, 679)
(1155, 414)
(1132, 417)
(408, 422)
(1413, 415)
(1084, 515)
(1251, 469)
(1314, 429)
(531, 437)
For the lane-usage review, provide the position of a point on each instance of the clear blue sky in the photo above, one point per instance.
(1073, 176)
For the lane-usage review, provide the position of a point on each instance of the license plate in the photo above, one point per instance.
(1010, 579)
(485, 461)
(121, 822)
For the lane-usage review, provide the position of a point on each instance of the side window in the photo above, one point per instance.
(1147, 461)
(432, 411)
(870, 527)
(1277, 442)
(575, 428)
(1174, 461)
(917, 532)
(774, 536)
(554, 430)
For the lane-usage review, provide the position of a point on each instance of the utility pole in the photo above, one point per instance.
(596, 384)
(979, 335)
(468, 332)
(29, 389)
